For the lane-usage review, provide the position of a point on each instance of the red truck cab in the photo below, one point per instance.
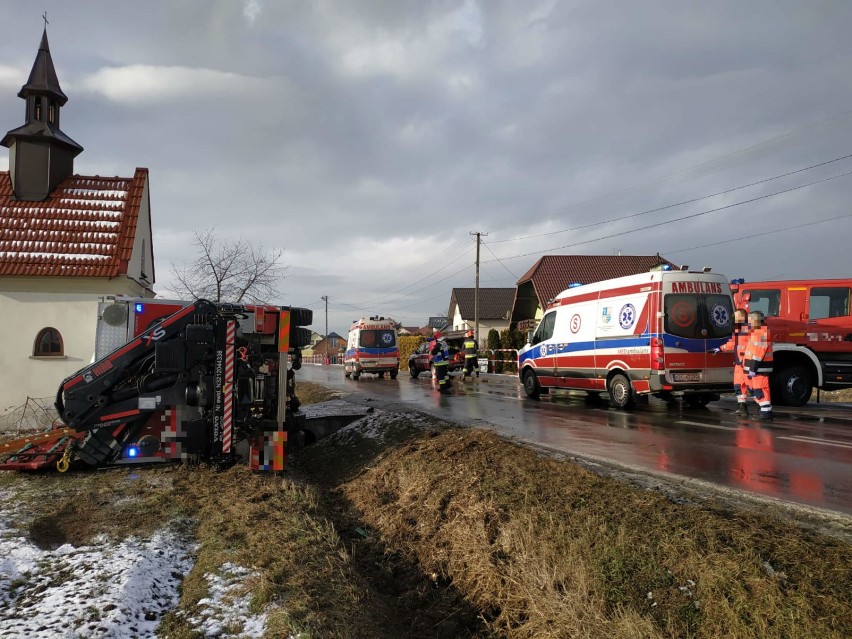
(811, 326)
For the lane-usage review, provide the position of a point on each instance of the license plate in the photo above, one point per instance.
(686, 377)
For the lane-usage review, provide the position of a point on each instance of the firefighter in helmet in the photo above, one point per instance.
(440, 361)
(737, 344)
(758, 362)
(470, 353)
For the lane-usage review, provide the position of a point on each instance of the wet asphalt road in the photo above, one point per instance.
(805, 456)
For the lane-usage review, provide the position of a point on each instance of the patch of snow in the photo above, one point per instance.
(332, 408)
(225, 613)
(112, 589)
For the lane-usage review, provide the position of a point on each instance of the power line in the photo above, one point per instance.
(670, 206)
(753, 235)
(679, 219)
(701, 167)
(501, 263)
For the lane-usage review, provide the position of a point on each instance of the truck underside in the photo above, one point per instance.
(192, 387)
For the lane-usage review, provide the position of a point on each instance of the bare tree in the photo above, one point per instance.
(229, 271)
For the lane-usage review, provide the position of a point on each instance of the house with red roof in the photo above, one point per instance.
(552, 274)
(66, 241)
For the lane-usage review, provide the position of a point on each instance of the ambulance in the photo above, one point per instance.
(372, 347)
(647, 334)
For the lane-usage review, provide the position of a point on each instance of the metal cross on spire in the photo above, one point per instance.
(44, 17)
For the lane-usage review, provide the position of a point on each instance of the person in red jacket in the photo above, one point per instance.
(758, 362)
(737, 344)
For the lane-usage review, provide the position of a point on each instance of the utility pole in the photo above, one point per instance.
(478, 235)
(325, 298)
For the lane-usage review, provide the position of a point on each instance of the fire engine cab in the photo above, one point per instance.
(810, 322)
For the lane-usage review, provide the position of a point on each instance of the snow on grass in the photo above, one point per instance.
(225, 612)
(112, 589)
(108, 589)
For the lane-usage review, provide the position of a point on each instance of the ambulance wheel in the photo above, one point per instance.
(393, 374)
(412, 370)
(792, 386)
(620, 391)
(346, 374)
(531, 386)
(355, 375)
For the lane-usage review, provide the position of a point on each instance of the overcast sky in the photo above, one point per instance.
(368, 139)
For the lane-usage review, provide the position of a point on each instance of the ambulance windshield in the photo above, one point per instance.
(383, 338)
(698, 315)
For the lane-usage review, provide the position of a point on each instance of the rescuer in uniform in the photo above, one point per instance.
(758, 362)
(470, 353)
(737, 344)
(440, 362)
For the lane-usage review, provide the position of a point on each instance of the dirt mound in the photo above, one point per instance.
(546, 548)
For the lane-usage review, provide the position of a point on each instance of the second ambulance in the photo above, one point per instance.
(647, 334)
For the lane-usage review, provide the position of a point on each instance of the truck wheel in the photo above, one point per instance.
(301, 317)
(355, 375)
(393, 374)
(620, 391)
(412, 370)
(345, 373)
(792, 386)
(531, 386)
(300, 337)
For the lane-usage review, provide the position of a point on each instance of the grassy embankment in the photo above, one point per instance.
(432, 531)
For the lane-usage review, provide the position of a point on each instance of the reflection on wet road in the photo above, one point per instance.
(804, 456)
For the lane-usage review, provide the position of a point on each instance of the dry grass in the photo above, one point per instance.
(547, 549)
(833, 396)
(314, 393)
(431, 531)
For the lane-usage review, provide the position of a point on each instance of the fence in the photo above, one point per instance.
(503, 363)
(322, 359)
(36, 414)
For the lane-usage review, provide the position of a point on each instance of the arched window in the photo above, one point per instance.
(48, 343)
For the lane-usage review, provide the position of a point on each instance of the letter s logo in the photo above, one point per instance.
(153, 336)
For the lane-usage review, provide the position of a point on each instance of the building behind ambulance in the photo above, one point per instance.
(646, 334)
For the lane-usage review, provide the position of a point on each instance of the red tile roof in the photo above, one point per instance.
(553, 273)
(85, 228)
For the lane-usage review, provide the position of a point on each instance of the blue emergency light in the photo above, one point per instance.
(575, 284)
(132, 451)
(138, 307)
(739, 280)
(666, 267)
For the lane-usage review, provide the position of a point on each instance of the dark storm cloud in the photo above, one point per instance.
(366, 137)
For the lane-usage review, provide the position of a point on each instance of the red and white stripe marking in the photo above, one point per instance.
(228, 419)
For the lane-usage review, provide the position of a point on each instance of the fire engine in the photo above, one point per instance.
(811, 328)
(178, 381)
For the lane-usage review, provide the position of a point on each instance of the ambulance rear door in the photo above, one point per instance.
(698, 317)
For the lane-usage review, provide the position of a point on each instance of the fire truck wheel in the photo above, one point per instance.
(300, 337)
(620, 391)
(355, 375)
(393, 374)
(792, 386)
(531, 386)
(301, 317)
(412, 370)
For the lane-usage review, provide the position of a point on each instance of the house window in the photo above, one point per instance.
(48, 343)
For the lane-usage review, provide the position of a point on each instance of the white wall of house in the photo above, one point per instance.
(23, 316)
(141, 264)
(459, 323)
(27, 305)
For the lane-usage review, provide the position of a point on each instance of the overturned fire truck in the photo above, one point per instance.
(178, 381)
